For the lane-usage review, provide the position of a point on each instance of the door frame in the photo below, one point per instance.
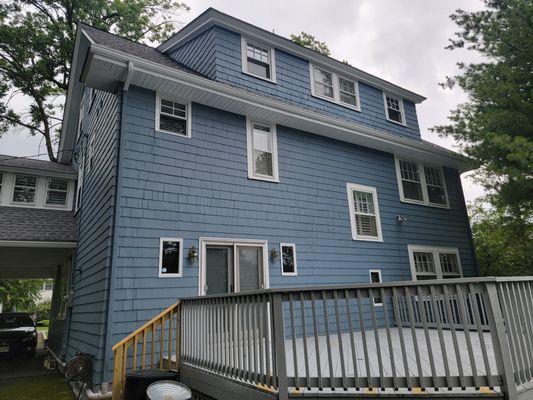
(213, 241)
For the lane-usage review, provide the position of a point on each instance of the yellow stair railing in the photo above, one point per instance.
(160, 335)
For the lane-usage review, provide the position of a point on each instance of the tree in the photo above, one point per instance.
(495, 126)
(307, 40)
(503, 245)
(20, 295)
(36, 44)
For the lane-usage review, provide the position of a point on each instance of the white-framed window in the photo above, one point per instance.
(173, 116)
(288, 259)
(262, 149)
(24, 189)
(332, 87)
(394, 110)
(428, 262)
(375, 277)
(258, 60)
(170, 257)
(57, 192)
(421, 183)
(364, 212)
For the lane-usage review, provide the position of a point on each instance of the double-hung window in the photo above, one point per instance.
(173, 117)
(330, 86)
(57, 192)
(262, 151)
(434, 262)
(394, 109)
(258, 60)
(24, 189)
(421, 184)
(364, 212)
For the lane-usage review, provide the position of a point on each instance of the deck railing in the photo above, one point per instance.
(442, 335)
(150, 346)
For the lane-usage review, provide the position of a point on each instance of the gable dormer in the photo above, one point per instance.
(234, 52)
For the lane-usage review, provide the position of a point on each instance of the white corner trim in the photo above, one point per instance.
(423, 185)
(250, 152)
(271, 56)
(180, 258)
(350, 187)
(336, 88)
(281, 246)
(188, 113)
(435, 250)
(402, 110)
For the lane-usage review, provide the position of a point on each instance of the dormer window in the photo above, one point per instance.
(24, 189)
(332, 87)
(258, 60)
(57, 192)
(394, 109)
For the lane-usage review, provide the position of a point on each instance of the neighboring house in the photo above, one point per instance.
(232, 159)
(47, 290)
(38, 230)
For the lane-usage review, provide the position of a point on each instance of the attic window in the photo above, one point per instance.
(258, 60)
(173, 117)
(24, 189)
(57, 192)
(394, 109)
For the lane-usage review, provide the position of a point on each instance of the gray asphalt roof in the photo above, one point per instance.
(38, 165)
(34, 224)
(134, 48)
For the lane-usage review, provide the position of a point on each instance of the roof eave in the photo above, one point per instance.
(214, 17)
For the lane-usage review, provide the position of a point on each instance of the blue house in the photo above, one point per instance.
(231, 159)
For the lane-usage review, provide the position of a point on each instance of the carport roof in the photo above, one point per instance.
(33, 224)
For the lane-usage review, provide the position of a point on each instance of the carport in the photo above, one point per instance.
(39, 244)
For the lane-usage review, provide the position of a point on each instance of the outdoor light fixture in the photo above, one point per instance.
(168, 390)
(273, 254)
(400, 219)
(193, 254)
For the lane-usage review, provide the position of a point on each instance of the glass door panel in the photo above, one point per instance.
(249, 268)
(219, 262)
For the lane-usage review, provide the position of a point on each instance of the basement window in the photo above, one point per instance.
(24, 189)
(173, 117)
(170, 257)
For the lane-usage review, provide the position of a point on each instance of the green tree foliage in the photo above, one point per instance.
(495, 126)
(503, 244)
(20, 295)
(36, 44)
(307, 40)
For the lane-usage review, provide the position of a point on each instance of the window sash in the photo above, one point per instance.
(57, 192)
(323, 82)
(434, 262)
(428, 180)
(364, 213)
(394, 109)
(262, 147)
(172, 117)
(24, 189)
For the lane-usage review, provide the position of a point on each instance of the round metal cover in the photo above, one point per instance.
(168, 390)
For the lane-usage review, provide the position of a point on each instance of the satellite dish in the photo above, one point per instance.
(168, 390)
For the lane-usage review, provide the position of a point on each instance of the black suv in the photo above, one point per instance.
(17, 334)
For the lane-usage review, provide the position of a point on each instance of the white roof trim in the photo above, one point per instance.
(214, 17)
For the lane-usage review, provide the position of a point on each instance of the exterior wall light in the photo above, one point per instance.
(273, 254)
(193, 254)
(400, 219)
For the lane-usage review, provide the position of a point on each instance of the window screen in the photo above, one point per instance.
(323, 83)
(173, 117)
(57, 192)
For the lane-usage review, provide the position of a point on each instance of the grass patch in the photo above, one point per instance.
(49, 387)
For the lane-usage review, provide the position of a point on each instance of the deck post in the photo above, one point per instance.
(500, 343)
(279, 346)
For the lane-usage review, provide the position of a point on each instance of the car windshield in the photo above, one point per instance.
(15, 321)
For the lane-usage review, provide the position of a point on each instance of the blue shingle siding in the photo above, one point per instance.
(218, 52)
(95, 222)
(196, 187)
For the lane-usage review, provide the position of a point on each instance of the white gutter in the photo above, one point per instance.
(132, 63)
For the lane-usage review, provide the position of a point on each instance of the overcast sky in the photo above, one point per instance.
(398, 40)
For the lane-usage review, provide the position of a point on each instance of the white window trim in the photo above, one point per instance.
(188, 115)
(402, 110)
(423, 184)
(411, 248)
(203, 242)
(66, 197)
(250, 152)
(336, 90)
(180, 259)
(35, 193)
(378, 271)
(244, 61)
(350, 187)
(281, 246)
